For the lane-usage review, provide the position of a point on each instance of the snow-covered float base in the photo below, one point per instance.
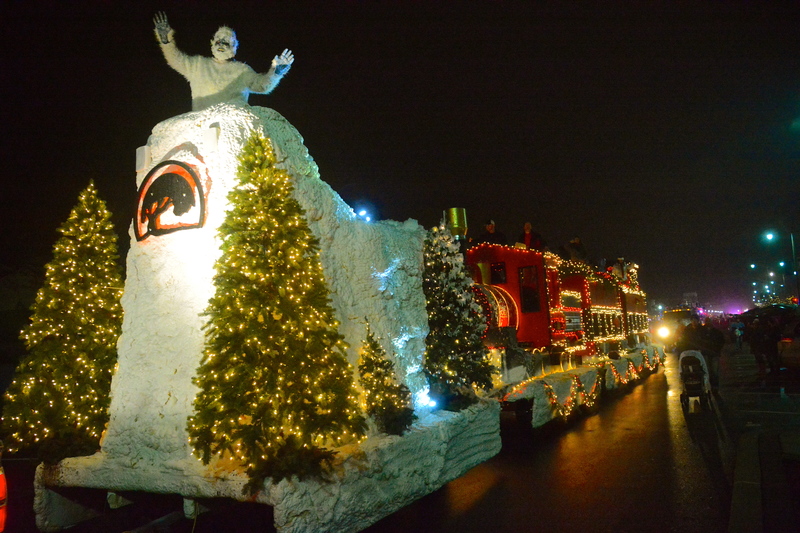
(556, 395)
(373, 480)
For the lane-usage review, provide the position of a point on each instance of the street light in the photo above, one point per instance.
(770, 236)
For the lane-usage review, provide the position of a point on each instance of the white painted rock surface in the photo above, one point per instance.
(373, 270)
(377, 478)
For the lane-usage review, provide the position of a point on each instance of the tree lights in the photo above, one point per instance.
(58, 401)
(385, 400)
(455, 357)
(275, 385)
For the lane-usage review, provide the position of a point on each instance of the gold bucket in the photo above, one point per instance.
(457, 221)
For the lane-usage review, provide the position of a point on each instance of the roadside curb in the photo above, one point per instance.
(760, 499)
(746, 506)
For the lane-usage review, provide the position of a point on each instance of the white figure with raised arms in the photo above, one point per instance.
(220, 78)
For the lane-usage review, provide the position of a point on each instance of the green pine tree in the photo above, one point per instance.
(455, 358)
(57, 404)
(275, 384)
(387, 401)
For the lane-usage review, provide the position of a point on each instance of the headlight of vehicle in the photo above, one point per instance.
(663, 332)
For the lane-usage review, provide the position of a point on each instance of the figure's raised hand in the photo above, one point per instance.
(283, 62)
(163, 30)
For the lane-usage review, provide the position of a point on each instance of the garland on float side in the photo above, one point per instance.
(577, 395)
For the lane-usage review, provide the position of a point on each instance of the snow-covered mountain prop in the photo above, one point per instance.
(373, 272)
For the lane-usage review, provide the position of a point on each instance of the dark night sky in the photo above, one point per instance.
(657, 131)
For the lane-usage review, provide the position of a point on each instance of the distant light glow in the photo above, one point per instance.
(663, 332)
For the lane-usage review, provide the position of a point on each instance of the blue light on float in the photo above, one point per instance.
(423, 399)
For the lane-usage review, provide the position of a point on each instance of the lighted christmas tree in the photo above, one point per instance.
(455, 359)
(276, 389)
(387, 401)
(58, 402)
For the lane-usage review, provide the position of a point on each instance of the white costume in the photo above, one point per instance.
(221, 78)
(214, 82)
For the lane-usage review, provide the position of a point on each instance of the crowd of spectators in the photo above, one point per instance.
(761, 335)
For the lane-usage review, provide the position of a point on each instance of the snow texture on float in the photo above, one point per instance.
(556, 395)
(373, 271)
(382, 475)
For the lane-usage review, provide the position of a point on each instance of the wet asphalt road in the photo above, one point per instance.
(639, 463)
(636, 463)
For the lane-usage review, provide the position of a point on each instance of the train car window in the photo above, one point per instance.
(529, 290)
(475, 271)
(605, 294)
(498, 273)
(570, 300)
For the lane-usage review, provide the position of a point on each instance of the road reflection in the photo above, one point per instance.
(635, 463)
(711, 444)
(464, 493)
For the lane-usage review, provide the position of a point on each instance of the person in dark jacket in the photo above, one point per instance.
(755, 335)
(575, 250)
(531, 239)
(712, 342)
(772, 337)
(691, 337)
(491, 235)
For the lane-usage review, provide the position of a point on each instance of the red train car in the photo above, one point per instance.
(554, 304)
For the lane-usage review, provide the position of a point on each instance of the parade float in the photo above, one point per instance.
(270, 346)
(560, 331)
(252, 294)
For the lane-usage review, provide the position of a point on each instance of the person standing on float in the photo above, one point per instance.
(219, 79)
(491, 235)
